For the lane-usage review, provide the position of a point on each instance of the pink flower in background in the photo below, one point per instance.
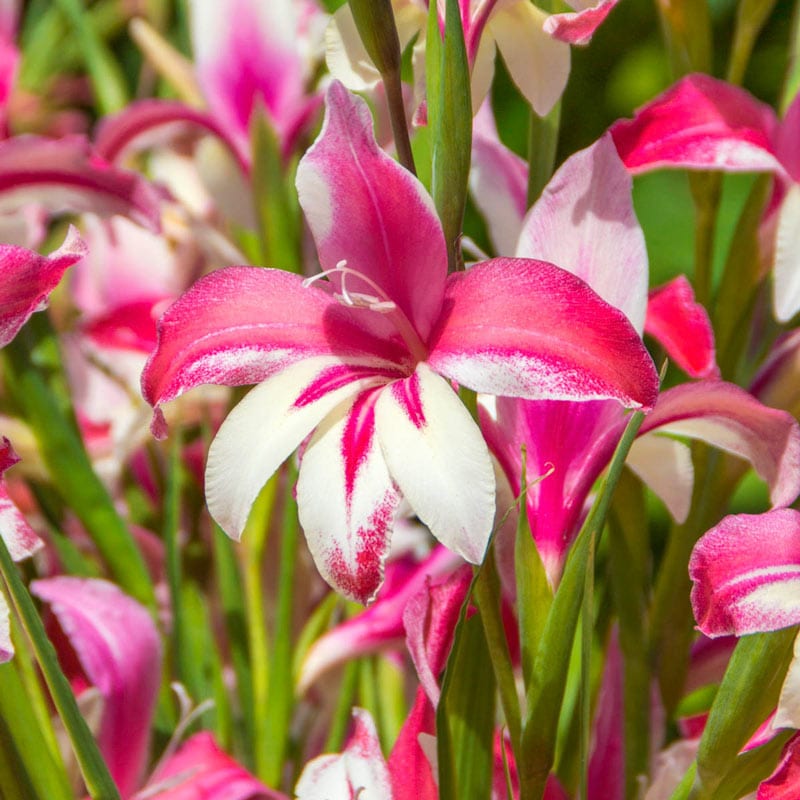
(365, 361)
(704, 123)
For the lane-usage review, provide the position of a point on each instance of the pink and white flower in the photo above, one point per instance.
(365, 363)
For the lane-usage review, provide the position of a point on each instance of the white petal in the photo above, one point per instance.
(786, 271)
(347, 500)
(439, 459)
(538, 64)
(263, 430)
(6, 645)
(345, 54)
(665, 465)
(788, 713)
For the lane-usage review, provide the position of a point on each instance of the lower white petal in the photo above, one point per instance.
(263, 430)
(788, 713)
(786, 270)
(439, 459)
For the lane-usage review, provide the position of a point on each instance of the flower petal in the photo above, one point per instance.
(784, 781)
(700, 123)
(788, 712)
(682, 327)
(746, 573)
(26, 280)
(584, 222)
(147, 122)
(242, 324)
(360, 771)
(498, 181)
(119, 650)
(21, 540)
(786, 269)
(665, 465)
(6, 645)
(579, 27)
(438, 458)
(66, 175)
(525, 328)
(366, 209)
(730, 418)
(201, 771)
(266, 427)
(537, 63)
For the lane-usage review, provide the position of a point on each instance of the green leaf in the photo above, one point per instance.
(748, 693)
(465, 717)
(450, 118)
(95, 773)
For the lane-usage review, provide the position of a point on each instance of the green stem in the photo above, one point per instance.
(750, 18)
(587, 627)
(706, 191)
(95, 773)
(397, 115)
(542, 144)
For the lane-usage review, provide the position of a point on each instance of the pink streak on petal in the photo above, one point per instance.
(337, 376)
(525, 328)
(201, 771)
(407, 395)
(26, 280)
(585, 222)
(145, 123)
(700, 123)
(381, 625)
(784, 783)
(746, 573)
(366, 209)
(578, 28)
(730, 418)
(682, 327)
(66, 175)
(119, 650)
(21, 540)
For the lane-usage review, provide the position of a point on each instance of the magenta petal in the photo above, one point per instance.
(26, 280)
(21, 540)
(682, 327)
(526, 328)
(240, 325)
(119, 649)
(367, 210)
(66, 175)
(409, 767)
(784, 783)
(746, 573)
(579, 27)
(730, 418)
(700, 123)
(148, 122)
(380, 625)
(201, 771)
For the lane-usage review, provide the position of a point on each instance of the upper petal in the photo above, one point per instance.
(267, 426)
(733, 420)
(682, 327)
(700, 123)
(584, 222)
(66, 175)
(438, 458)
(27, 278)
(537, 63)
(746, 573)
(526, 328)
(579, 27)
(242, 324)
(367, 210)
(119, 650)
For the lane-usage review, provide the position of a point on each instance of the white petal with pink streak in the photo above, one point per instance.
(347, 500)
(265, 428)
(438, 458)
